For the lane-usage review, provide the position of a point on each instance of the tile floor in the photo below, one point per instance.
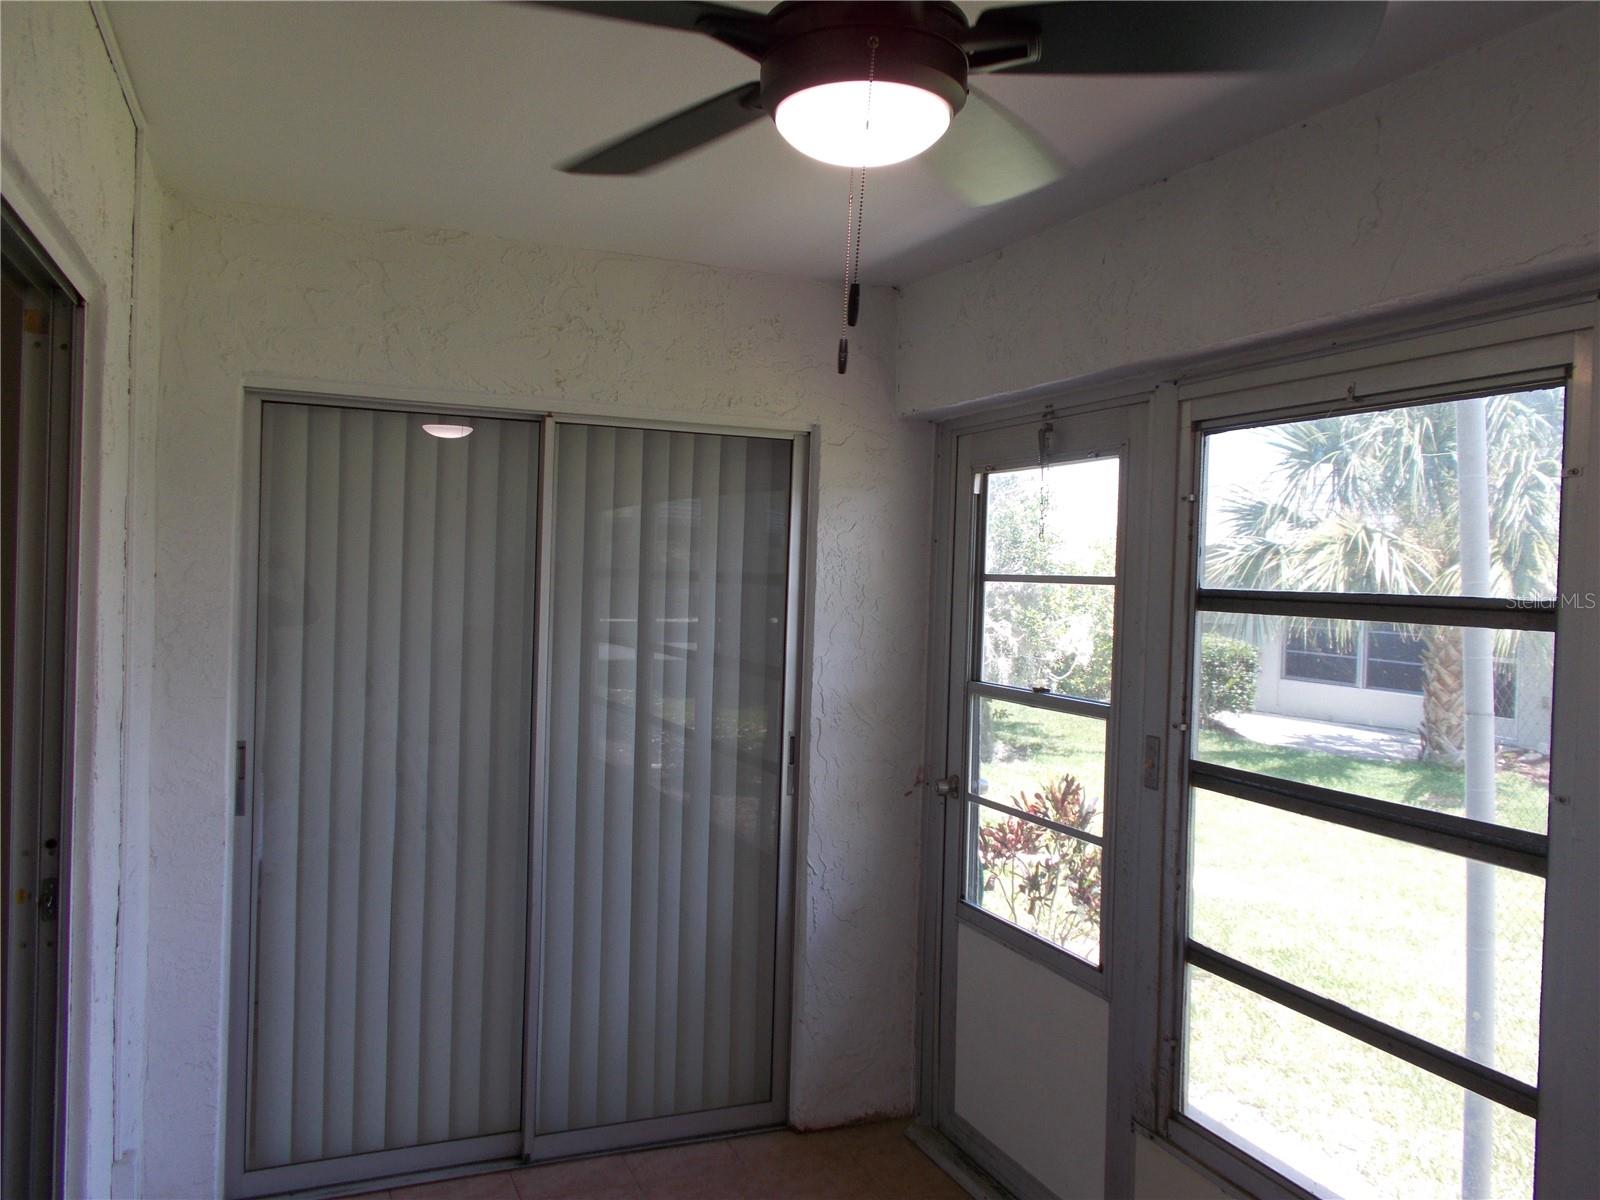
(862, 1162)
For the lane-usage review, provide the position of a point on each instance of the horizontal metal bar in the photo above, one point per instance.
(1227, 1153)
(1458, 1069)
(425, 401)
(1481, 840)
(1053, 701)
(469, 1155)
(1405, 610)
(1091, 580)
(1083, 835)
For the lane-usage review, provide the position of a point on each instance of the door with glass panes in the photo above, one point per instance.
(1037, 762)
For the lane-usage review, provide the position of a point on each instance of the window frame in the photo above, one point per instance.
(1091, 975)
(1113, 421)
(1356, 658)
(1505, 670)
(1554, 344)
(1367, 660)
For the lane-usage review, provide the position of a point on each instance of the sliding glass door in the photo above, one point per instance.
(393, 697)
(666, 780)
(512, 793)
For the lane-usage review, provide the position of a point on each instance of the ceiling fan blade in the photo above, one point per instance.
(746, 31)
(1106, 37)
(678, 134)
(990, 156)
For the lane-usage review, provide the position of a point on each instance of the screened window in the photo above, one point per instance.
(1039, 699)
(1393, 659)
(1313, 652)
(1382, 656)
(1365, 904)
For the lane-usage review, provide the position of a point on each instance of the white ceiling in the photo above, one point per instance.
(452, 115)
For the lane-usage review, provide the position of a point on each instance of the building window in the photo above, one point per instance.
(1313, 652)
(1393, 659)
(1364, 913)
(1383, 656)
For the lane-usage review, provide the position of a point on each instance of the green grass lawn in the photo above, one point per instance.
(1371, 922)
(1521, 802)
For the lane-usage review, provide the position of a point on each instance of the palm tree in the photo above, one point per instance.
(1373, 504)
(1458, 498)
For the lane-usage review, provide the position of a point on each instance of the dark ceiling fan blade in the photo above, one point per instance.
(747, 32)
(678, 134)
(990, 156)
(1106, 37)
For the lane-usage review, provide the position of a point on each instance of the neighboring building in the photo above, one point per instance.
(1376, 680)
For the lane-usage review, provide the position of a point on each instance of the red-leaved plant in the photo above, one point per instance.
(1042, 879)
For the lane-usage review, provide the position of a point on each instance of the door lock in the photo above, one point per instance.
(950, 785)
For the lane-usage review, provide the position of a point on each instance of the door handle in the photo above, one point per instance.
(950, 785)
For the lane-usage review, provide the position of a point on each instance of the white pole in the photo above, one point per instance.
(1477, 1128)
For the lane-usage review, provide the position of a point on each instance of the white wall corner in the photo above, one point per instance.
(70, 171)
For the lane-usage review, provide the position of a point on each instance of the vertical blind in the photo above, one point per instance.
(665, 774)
(393, 709)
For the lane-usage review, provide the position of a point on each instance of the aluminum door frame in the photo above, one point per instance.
(1104, 425)
(517, 1147)
(704, 1123)
(63, 477)
(239, 1182)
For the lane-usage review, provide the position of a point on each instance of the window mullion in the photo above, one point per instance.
(1098, 710)
(1083, 835)
(1485, 1081)
(1500, 845)
(1482, 612)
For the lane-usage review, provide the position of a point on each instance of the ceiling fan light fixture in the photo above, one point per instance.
(831, 122)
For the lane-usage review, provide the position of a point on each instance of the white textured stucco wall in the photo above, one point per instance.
(75, 171)
(254, 291)
(1476, 172)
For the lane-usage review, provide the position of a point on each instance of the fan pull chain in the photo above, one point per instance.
(849, 247)
(855, 207)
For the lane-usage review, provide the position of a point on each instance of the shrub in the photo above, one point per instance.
(1227, 678)
(1045, 881)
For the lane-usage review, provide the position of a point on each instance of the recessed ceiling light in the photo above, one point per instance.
(447, 431)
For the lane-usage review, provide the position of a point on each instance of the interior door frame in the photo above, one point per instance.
(30, 257)
(516, 1147)
(1110, 421)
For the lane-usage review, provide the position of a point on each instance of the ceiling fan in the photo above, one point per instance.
(825, 64)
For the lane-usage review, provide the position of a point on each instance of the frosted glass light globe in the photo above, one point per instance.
(830, 122)
(447, 431)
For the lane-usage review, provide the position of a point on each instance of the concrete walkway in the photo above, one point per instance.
(1349, 741)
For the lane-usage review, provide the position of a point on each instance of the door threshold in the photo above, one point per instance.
(491, 1166)
(954, 1162)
